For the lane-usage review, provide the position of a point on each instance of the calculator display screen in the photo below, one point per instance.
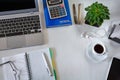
(54, 2)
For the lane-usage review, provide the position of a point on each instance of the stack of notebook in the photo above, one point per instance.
(34, 65)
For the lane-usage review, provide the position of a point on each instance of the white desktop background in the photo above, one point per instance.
(70, 58)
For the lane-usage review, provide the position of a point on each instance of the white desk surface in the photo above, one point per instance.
(70, 58)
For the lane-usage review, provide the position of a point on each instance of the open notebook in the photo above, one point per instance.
(32, 67)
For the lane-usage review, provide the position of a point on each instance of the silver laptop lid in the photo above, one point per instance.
(8, 7)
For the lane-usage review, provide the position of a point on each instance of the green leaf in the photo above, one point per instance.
(97, 13)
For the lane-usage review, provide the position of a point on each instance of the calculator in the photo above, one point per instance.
(56, 9)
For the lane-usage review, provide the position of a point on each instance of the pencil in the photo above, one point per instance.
(74, 14)
(79, 13)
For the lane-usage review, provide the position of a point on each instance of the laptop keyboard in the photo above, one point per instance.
(19, 26)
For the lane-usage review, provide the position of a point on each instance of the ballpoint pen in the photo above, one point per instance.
(46, 64)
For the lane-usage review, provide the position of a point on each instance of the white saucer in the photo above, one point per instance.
(95, 58)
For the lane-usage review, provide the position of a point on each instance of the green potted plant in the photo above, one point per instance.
(96, 14)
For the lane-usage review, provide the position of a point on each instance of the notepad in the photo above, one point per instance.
(37, 65)
(115, 33)
(32, 68)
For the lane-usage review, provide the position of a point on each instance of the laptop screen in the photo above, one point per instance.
(10, 5)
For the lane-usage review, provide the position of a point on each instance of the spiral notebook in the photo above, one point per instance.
(31, 68)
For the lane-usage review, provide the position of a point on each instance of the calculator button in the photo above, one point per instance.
(62, 5)
(57, 11)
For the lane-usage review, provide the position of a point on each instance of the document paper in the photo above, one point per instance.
(116, 32)
(20, 63)
(37, 66)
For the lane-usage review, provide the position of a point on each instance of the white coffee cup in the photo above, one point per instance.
(98, 48)
(97, 51)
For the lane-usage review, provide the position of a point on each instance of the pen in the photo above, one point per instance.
(46, 64)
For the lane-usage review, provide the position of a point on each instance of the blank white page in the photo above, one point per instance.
(37, 65)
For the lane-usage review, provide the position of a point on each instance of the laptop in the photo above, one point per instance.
(20, 24)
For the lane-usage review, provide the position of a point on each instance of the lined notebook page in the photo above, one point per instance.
(37, 65)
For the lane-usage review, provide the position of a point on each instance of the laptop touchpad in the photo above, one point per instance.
(16, 41)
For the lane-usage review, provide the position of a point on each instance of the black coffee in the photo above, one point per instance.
(99, 48)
